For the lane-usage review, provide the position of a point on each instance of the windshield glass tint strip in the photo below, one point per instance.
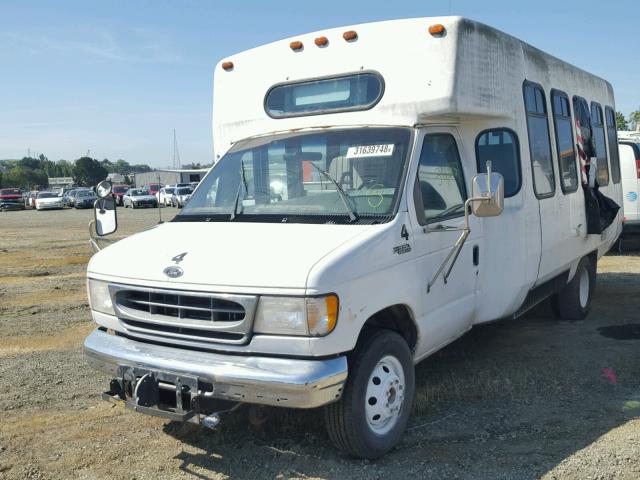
(358, 91)
(336, 174)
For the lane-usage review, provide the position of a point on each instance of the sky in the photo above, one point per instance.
(116, 78)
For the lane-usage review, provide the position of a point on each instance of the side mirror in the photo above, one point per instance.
(104, 189)
(488, 194)
(106, 218)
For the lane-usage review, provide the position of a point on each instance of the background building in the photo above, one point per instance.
(170, 176)
(115, 178)
(60, 183)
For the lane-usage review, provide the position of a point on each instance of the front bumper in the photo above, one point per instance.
(283, 382)
(11, 206)
(49, 206)
(631, 227)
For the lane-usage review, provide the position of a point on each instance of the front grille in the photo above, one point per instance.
(184, 316)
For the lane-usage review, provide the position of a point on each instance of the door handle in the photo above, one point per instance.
(476, 255)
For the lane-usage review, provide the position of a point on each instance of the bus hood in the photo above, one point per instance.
(232, 254)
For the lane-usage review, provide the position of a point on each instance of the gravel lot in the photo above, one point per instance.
(532, 398)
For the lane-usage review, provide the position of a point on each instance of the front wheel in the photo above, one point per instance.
(372, 414)
(574, 300)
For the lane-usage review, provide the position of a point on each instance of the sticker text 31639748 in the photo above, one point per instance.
(384, 150)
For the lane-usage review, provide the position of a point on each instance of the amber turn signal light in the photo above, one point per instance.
(436, 29)
(350, 35)
(297, 45)
(322, 41)
(227, 66)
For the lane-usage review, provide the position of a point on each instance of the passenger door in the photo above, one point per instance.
(556, 221)
(440, 190)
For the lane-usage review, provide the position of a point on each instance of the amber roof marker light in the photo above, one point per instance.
(437, 30)
(321, 41)
(227, 65)
(296, 46)
(350, 36)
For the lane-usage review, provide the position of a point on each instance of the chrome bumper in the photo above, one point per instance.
(264, 380)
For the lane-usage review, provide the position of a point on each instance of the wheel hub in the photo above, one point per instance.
(584, 288)
(385, 395)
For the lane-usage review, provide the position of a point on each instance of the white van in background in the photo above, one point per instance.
(352, 225)
(629, 147)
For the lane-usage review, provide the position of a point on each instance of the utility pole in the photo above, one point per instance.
(176, 153)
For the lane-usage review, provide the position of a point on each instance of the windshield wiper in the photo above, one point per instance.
(243, 182)
(449, 211)
(343, 196)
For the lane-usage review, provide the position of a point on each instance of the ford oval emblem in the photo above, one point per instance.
(173, 272)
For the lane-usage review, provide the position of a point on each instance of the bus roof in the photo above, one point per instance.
(470, 70)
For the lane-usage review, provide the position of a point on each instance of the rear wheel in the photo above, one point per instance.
(574, 300)
(372, 414)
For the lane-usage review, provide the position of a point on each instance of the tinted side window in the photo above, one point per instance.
(440, 178)
(597, 125)
(500, 147)
(564, 142)
(539, 144)
(612, 139)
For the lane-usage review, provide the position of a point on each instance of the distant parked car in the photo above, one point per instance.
(138, 197)
(181, 197)
(85, 199)
(153, 188)
(68, 198)
(118, 192)
(48, 200)
(14, 194)
(7, 205)
(30, 199)
(164, 195)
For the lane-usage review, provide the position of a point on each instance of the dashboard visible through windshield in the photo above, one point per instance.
(339, 176)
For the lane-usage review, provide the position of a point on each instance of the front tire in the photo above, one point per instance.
(574, 300)
(372, 414)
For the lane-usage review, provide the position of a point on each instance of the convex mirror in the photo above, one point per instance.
(106, 219)
(104, 189)
(488, 193)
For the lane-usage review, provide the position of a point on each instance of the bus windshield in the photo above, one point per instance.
(337, 176)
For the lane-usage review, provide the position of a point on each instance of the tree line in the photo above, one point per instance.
(629, 123)
(30, 172)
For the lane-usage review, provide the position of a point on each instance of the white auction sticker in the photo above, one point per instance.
(370, 151)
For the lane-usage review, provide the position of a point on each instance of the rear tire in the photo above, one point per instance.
(574, 300)
(372, 414)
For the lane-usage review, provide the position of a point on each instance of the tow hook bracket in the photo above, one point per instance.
(161, 394)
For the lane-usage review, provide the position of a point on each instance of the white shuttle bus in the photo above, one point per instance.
(379, 189)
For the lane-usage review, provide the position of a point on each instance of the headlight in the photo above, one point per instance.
(99, 297)
(315, 316)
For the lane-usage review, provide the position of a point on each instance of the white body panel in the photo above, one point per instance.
(630, 181)
(462, 83)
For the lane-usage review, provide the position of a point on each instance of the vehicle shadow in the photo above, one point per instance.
(512, 399)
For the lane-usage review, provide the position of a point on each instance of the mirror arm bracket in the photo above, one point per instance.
(93, 240)
(452, 256)
(96, 242)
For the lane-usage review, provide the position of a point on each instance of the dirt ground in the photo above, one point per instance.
(531, 398)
